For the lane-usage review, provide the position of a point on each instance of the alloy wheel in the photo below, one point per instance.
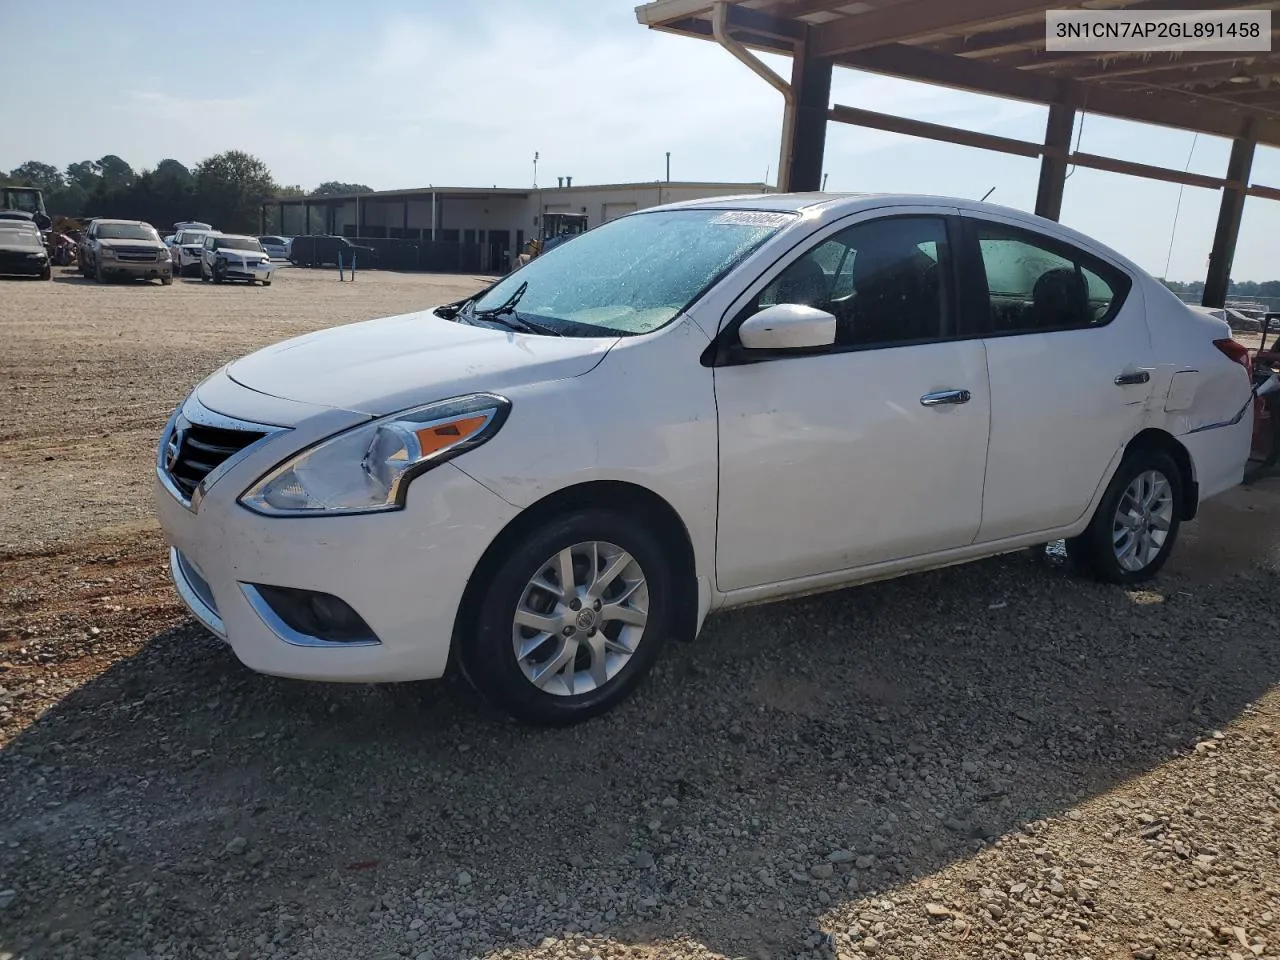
(580, 618)
(1142, 520)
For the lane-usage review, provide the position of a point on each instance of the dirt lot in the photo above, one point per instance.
(996, 760)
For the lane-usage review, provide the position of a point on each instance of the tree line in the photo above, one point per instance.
(1244, 289)
(226, 190)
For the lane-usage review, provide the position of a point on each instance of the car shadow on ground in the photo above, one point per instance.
(910, 722)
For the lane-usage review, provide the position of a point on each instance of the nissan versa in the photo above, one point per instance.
(687, 409)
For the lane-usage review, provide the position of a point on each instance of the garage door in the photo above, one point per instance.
(614, 210)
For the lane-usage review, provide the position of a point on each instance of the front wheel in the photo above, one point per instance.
(98, 275)
(572, 619)
(1136, 523)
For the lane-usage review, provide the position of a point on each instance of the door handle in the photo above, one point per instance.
(940, 397)
(1129, 379)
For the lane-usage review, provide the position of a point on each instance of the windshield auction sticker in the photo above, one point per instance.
(754, 218)
(1140, 31)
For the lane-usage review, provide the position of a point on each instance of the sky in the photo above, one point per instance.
(407, 93)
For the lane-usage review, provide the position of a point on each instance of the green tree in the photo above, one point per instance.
(336, 188)
(33, 173)
(230, 187)
(171, 171)
(84, 174)
(116, 173)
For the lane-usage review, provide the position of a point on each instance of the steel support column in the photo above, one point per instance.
(811, 86)
(1239, 167)
(1053, 163)
(280, 221)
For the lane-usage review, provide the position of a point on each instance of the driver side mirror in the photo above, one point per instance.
(788, 326)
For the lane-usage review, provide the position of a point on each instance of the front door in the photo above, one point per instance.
(873, 450)
(1070, 360)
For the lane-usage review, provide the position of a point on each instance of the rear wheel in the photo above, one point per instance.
(572, 619)
(1136, 523)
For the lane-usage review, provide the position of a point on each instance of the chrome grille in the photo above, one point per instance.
(137, 254)
(193, 451)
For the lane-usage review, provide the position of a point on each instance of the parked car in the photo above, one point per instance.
(277, 247)
(22, 250)
(688, 409)
(232, 257)
(187, 247)
(124, 248)
(324, 251)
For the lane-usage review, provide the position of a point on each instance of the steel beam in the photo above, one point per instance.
(1218, 278)
(811, 87)
(1053, 164)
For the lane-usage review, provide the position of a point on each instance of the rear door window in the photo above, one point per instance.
(1036, 283)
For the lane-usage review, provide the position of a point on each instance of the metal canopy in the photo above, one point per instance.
(997, 48)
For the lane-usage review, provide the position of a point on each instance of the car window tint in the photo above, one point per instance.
(882, 280)
(1031, 287)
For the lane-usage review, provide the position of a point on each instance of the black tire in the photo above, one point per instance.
(46, 273)
(486, 647)
(266, 283)
(217, 277)
(166, 281)
(203, 276)
(98, 275)
(1093, 551)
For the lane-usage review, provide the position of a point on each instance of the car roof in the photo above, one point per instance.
(233, 236)
(831, 206)
(140, 223)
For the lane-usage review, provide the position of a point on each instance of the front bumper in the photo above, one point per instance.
(403, 572)
(23, 268)
(150, 269)
(249, 271)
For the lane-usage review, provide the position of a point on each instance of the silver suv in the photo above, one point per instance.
(127, 248)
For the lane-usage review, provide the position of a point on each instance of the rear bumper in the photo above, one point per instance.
(1219, 456)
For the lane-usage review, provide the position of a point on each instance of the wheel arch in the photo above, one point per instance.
(629, 498)
(1154, 438)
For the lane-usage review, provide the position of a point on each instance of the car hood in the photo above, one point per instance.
(20, 248)
(240, 254)
(382, 366)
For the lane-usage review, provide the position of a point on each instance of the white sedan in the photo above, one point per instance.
(688, 409)
(232, 257)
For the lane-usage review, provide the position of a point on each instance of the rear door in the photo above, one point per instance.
(1070, 363)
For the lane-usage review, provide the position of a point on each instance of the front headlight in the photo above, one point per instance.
(108, 253)
(368, 468)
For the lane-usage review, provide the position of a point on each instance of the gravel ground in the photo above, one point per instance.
(1000, 759)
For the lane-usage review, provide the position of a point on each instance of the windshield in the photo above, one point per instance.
(275, 241)
(634, 274)
(192, 236)
(13, 235)
(237, 243)
(127, 231)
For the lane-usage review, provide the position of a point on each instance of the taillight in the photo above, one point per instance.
(1238, 352)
